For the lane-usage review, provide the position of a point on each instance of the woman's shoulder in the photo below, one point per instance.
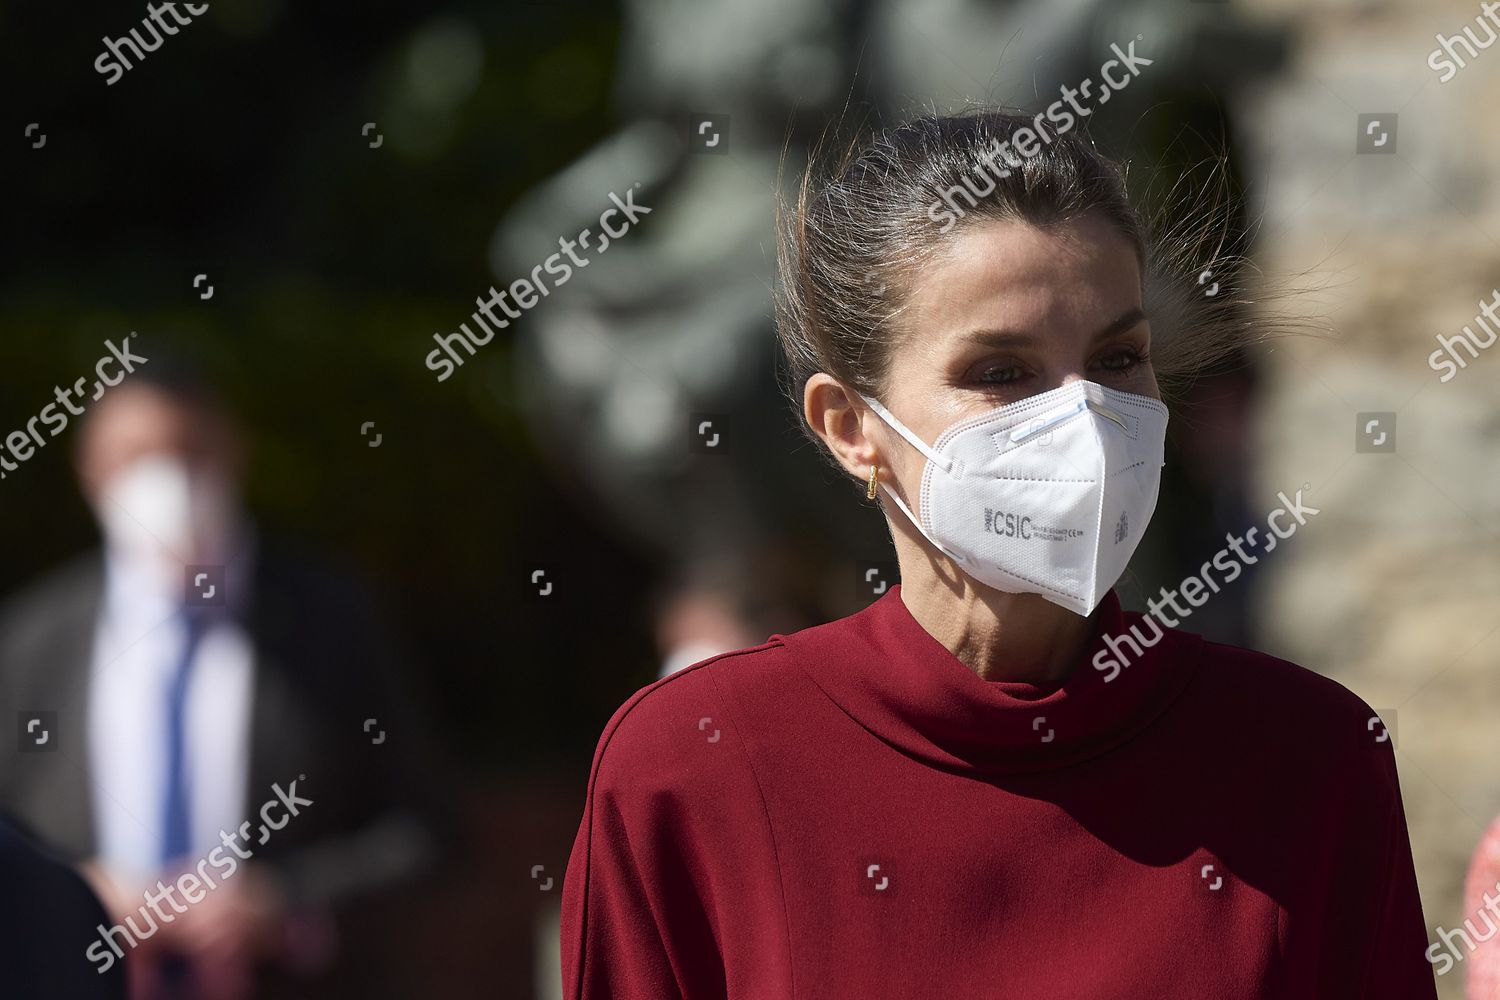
(1254, 673)
(683, 726)
(1304, 711)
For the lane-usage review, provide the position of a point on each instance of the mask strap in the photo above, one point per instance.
(918, 525)
(900, 428)
(921, 446)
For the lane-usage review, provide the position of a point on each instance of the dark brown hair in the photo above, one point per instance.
(860, 227)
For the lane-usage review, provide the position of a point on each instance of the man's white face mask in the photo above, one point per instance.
(1048, 495)
(161, 516)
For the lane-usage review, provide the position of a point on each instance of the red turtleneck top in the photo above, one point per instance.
(851, 812)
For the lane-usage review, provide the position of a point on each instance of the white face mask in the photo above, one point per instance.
(1048, 495)
(161, 516)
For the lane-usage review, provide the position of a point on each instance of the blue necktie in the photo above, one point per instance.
(176, 837)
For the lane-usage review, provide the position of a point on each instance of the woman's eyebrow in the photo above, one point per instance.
(1127, 320)
(1022, 338)
(1001, 338)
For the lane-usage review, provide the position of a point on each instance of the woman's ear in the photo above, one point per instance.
(835, 416)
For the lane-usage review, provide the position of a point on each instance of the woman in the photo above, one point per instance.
(991, 782)
(1476, 940)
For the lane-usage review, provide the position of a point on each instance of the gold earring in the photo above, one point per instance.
(870, 489)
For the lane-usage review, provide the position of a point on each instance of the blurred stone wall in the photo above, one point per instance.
(1394, 589)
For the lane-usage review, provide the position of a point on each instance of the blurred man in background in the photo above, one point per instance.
(201, 710)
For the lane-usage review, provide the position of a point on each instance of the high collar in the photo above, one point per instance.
(895, 679)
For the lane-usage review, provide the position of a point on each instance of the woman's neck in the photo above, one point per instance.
(1000, 636)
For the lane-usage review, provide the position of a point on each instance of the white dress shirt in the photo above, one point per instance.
(137, 642)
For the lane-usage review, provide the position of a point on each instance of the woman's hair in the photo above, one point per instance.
(861, 227)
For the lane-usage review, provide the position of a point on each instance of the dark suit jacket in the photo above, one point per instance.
(50, 921)
(323, 665)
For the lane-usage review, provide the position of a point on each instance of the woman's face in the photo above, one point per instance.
(1007, 312)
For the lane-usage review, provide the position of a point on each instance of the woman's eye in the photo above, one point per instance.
(1000, 374)
(1122, 360)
